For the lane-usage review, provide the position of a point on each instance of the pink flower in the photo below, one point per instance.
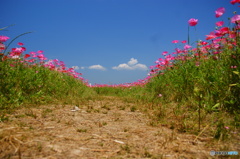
(164, 53)
(40, 51)
(15, 57)
(184, 41)
(56, 61)
(21, 44)
(178, 51)
(18, 51)
(219, 24)
(32, 60)
(26, 56)
(33, 54)
(202, 43)
(175, 41)
(2, 47)
(235, 18)
(41, 57)
(187, 46)
(219, 12)
(211, 36)
(12, 65)
(151, 67)
(3, 38)
(232, 35)
(160, 95)
(235, 1)
(193, 22)
(169, 57)
(222, 31)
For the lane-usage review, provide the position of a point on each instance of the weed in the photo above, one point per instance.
(30, 113)
(81, 130)
(39, 146)
(147, 154)
(221, 131)
(126, 148)
(105, 106)
(104, 123)
(133, 109)
(45, 112)
(4, 118)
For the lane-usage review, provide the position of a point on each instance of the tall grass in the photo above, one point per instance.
(203, 85)
(212, 81)
(22, 83)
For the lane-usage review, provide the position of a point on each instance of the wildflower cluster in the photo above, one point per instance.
(2, 40)
(35, 59)
(216, 42)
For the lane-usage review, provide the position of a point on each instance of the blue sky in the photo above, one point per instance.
(110, 41)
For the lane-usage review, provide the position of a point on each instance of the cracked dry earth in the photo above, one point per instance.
(104, 128)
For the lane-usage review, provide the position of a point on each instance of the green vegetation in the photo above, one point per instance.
(23, 84)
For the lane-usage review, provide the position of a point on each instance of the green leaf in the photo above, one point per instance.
(230, 102)
(236, 72)
(216, 106)
(196, 89)
(232, 85)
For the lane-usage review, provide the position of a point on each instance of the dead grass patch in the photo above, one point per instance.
(57, 131)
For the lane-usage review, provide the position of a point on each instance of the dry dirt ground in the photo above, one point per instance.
(104, 128)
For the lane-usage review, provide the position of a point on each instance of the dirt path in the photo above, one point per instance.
(100, 129)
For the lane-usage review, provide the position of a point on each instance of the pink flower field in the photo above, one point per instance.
(213, 45)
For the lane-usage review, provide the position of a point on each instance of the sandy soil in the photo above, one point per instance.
(106, 128)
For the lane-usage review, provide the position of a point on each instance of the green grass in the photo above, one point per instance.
(24, 84)
(213, 83)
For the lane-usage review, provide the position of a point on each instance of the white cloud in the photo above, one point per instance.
(75, 67)
(140, 66)
(132, 61)
(131, 65)
(123, 66)
(97, 67)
